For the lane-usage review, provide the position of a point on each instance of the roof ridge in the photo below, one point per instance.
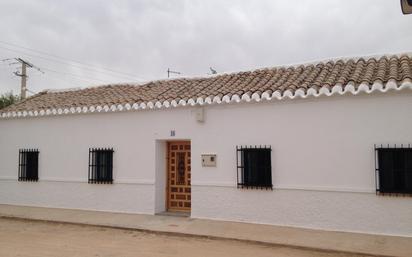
(355, 58)
(62, 90)
(305, 64)
(76, 89)
(291, 65)
(351, 57)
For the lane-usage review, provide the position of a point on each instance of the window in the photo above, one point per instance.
(394, 170)
(254, 168)
(101, 165)
(28, 165)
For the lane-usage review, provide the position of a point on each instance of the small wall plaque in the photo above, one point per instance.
(209, 160)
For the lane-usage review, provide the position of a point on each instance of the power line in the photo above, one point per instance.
(25, 64)
(48, 59)
(79, 82)
(72, 82)
(5, 66)
(87, 79)
(32, 92)
(75, 75)
(69, 61)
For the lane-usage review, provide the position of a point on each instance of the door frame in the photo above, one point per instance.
(168, 142)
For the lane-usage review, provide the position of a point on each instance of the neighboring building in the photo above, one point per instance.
(322, 146)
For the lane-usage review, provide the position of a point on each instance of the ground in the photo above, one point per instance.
(35, 238)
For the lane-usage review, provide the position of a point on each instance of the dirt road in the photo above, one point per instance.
(42, 239)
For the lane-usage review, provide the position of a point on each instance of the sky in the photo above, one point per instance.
(81, 43)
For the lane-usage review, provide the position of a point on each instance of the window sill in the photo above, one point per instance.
(266, 187)
(28, 180)
(394, 194)
(100, 182)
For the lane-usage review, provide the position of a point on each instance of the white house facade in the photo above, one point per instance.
(307, 146)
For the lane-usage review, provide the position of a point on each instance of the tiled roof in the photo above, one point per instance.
(323, 78)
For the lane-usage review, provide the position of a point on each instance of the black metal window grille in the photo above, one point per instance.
(393, 169)
(101, 165)
(254, 167)
(28, 165)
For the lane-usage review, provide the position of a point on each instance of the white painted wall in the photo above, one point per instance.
(322, 160)
(161, 176)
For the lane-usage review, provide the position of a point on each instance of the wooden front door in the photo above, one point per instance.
(178, 176)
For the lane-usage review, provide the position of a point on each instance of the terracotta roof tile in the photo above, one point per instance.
(303, 77)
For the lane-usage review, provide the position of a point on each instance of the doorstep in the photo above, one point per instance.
(377, 245)
(174, 214)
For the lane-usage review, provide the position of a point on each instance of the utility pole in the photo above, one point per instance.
(23, 75)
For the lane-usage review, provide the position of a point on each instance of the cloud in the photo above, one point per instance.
(144, 38)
